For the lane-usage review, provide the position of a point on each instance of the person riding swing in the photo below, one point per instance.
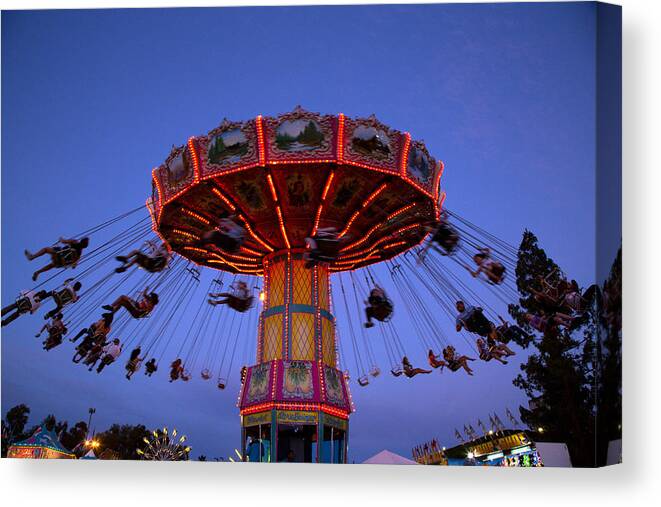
(473, 320)
(443, 238)
(28, 301)
(151, 367)
(65, 255)
(378, 307)
(64, 296)
(94, 334)
(238, 299)
(134, 362)
(138, 309)
(56, 331)
(409, 370)
(176, 369)
(155, 259)
(435, 361)
(455, 362)
(323, 246)
(228, 236)
(487, 353)
(492, 269)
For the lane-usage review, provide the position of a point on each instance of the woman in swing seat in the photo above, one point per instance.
(137, 309)
(435, 361)
(66, 255)
(56, 331)
(228, 236)
(443, 238)
(324, 246)
(134, 362)
(410, 371)
(176, 369)
(492, 269)
(154, 261)
(487, 353)
(455, 362)
(378, 307)
(151, 367)
(238, 298)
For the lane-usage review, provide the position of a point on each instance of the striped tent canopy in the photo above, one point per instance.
(43, 444)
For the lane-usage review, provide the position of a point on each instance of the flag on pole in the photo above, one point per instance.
(511, 417)
(459, 435)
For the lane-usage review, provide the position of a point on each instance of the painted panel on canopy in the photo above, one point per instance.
(421, 166)
(299, 188)
(368, 141)
(176, 173)
(301, 283)
(300, 135)
(229, 146)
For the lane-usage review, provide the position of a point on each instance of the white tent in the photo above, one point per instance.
(386, 457)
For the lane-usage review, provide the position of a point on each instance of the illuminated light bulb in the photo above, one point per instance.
(262, 296)
(540, 429)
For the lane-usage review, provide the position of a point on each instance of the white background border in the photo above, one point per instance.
(636, 482)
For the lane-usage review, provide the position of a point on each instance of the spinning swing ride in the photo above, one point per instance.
(279, 205)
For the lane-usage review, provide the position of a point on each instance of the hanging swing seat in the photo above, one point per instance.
(23, 305)
(383, 311)
(453, 365)
(375, 371)
(64, 256)
(205, 374)
(397, 371)
(240, 304)
(222, 383)
(185, 376)
(363, 381)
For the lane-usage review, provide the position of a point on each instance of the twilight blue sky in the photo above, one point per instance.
(92, 100)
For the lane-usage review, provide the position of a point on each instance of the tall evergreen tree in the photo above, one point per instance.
(559, 378)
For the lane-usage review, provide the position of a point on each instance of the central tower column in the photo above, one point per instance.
(294, 402)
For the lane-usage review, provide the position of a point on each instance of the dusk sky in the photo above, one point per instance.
(93, 100)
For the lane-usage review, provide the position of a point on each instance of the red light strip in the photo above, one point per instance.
(272, 187)
(256, 237)
(195, 215)
(405, 154)
(331, 175)
(186, 234)
(329, 180)
(340, 138)
(400, 211)
(369, 201)
(316, 220)
(262, 407)
(196, 160)
(439, 174)
(251, 251)
(260, 139)
(282, 226)
(314, 161)
(358, 243)
(252, 233)
(222, 197)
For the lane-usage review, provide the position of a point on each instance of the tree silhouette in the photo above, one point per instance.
(559, 378)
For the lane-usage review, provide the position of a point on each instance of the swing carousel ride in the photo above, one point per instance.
(278, 207)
